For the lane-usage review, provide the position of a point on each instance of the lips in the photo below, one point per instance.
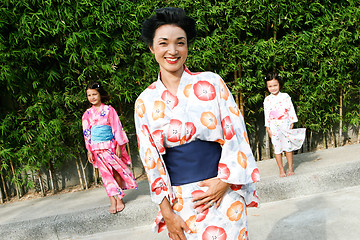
(172, 60)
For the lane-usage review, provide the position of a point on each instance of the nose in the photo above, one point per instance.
(172, 49)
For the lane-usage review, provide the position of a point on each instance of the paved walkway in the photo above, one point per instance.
(319, 202)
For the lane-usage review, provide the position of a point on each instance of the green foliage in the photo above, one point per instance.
(50, 50)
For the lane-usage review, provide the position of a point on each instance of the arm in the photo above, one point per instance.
(292, 114)
(119, 136)
(87, 135)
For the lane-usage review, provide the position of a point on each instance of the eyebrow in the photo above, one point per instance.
(164, 38)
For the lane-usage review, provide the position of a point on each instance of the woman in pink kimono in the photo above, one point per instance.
(105, 141)
(192, 141)
(280, 117)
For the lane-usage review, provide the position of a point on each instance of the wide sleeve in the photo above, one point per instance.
(237, 165)
(291, 110)
(267, 112)
(86, 130)
(149, 153)
(116, 127)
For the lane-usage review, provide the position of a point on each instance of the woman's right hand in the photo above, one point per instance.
(90, 157)
(174, 223)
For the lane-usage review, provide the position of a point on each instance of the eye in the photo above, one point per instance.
(181, 43)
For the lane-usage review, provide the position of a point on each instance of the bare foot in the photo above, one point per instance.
(120, 205)
(113, 206)
(282, 174)
(290, 173)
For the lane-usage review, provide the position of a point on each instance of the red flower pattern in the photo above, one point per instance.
(159, 140)
(169, 99)
(223, 171)
(255, 175)
(174, 131)
(190, 130)
(228, 128)
(204, 91)
(158, 186)
(214, 232)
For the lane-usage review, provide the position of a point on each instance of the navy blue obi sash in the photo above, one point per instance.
(192, 162)
(101, 133)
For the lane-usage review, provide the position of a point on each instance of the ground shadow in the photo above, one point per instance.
(308, 222)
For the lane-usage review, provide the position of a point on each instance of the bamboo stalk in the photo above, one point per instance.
(84, 174)
(310, 140)
(41, 184)
(359, 135)
(95, 176)
(1, 195)
(341, 116)
(16, 185)
(4, 187)
(79, 173)
(131, 163)
(257, 143)
(51, 178)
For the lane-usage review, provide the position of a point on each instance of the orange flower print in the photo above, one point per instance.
(158, 140)
(204, 91)
(234, 110)
(160, 166)
(190, 130)
(178, 191)
(140, 107)
(255, 175)
(178, 204)
(158, 186)
(242, 159)
(158, 110)
(222, 142)
(149, 159)
(187, 90)
(169, 99)
(208, 119)
(246, 137)
(196, 193)
(224, 92)
(174, 131)
(235, 211)
(243, 234)
(223, 171)
(191, 223)
(214, 232)
(152, 86)
(228, 128)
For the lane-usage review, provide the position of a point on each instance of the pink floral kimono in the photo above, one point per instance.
(203, 109)
(103, 152)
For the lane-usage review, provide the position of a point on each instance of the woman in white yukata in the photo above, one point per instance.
(280, 117)
(192, 141)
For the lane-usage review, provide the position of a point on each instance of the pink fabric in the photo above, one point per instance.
(104, 155)
(107, 161)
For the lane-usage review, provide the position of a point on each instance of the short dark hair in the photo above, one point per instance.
(164, 16)
(273, 75)
(97, 86)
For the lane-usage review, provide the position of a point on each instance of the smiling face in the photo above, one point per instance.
(94, 97)
(273, 86)
(170, 48)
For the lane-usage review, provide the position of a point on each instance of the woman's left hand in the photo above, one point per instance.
(118, 151)
(214, 194)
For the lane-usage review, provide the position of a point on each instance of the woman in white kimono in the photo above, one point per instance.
(280, 117)
(192, 141)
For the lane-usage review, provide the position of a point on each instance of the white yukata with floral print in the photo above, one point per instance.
(279, 115)
(204, 109)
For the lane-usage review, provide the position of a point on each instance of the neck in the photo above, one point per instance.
(171, 80)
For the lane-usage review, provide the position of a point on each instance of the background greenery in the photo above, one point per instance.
(50, 50)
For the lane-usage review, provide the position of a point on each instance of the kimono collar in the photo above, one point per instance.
(100, 108)
(183, 79)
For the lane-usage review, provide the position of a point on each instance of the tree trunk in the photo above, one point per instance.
(84, 173)
(51, 178)
(14, 177)
(131, 163)
(310, 141)
(41, 184)
(1, 195)
(257, 143)
(4, 187)
(79, 174)
(341, 117)
(359, 134)
(95, 176)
